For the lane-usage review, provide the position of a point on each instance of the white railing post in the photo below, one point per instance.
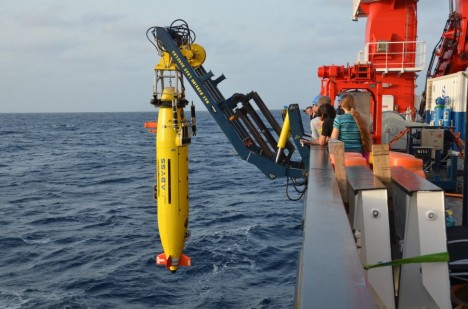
(420, 204)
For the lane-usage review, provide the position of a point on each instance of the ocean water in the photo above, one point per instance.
(78, 224)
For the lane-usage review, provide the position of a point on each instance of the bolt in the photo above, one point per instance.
(375, 213)
(431, 215)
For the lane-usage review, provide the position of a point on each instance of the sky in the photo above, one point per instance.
(93, 56)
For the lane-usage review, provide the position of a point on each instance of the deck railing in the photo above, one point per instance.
(329, 274)
(403, 56)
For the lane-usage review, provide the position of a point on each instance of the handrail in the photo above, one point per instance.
(401, 56)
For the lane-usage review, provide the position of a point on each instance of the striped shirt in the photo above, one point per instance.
(349, 133)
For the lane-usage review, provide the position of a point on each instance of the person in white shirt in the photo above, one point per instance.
(316, 123)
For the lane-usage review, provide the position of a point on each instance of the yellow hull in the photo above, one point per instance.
(172, 191)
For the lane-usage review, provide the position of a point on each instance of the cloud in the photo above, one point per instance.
(86, 51)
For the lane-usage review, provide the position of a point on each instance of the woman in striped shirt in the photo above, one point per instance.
(351, 128)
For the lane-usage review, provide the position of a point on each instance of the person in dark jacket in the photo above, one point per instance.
(339, 109)
(327, 114)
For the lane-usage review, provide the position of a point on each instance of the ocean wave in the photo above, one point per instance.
(12, 242)
(79, 221)
(11, 300)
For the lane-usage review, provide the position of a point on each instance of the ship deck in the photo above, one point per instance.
(330, 273)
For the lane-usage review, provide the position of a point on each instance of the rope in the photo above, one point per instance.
(429, 258)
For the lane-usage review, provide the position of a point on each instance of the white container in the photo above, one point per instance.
(454, 86)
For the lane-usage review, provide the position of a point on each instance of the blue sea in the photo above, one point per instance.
(78, 225)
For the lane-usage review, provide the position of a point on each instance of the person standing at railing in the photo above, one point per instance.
(316, 123)
(352, 129)
(327, 114)
(339, 109)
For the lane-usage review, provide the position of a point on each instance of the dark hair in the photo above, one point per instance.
(326, 111)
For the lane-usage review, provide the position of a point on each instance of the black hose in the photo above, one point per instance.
(301, 192)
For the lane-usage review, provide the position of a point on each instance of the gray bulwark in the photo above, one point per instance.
(360, 180)
(330, 274)
(410, 182)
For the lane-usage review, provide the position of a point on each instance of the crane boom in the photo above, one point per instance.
(253, 133)
(450, 55)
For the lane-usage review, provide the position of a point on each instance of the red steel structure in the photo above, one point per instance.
(392, 56)
(451, 52)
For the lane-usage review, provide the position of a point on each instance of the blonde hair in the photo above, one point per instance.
(348, 104)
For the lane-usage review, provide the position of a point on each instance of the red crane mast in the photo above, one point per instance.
(387, 67)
